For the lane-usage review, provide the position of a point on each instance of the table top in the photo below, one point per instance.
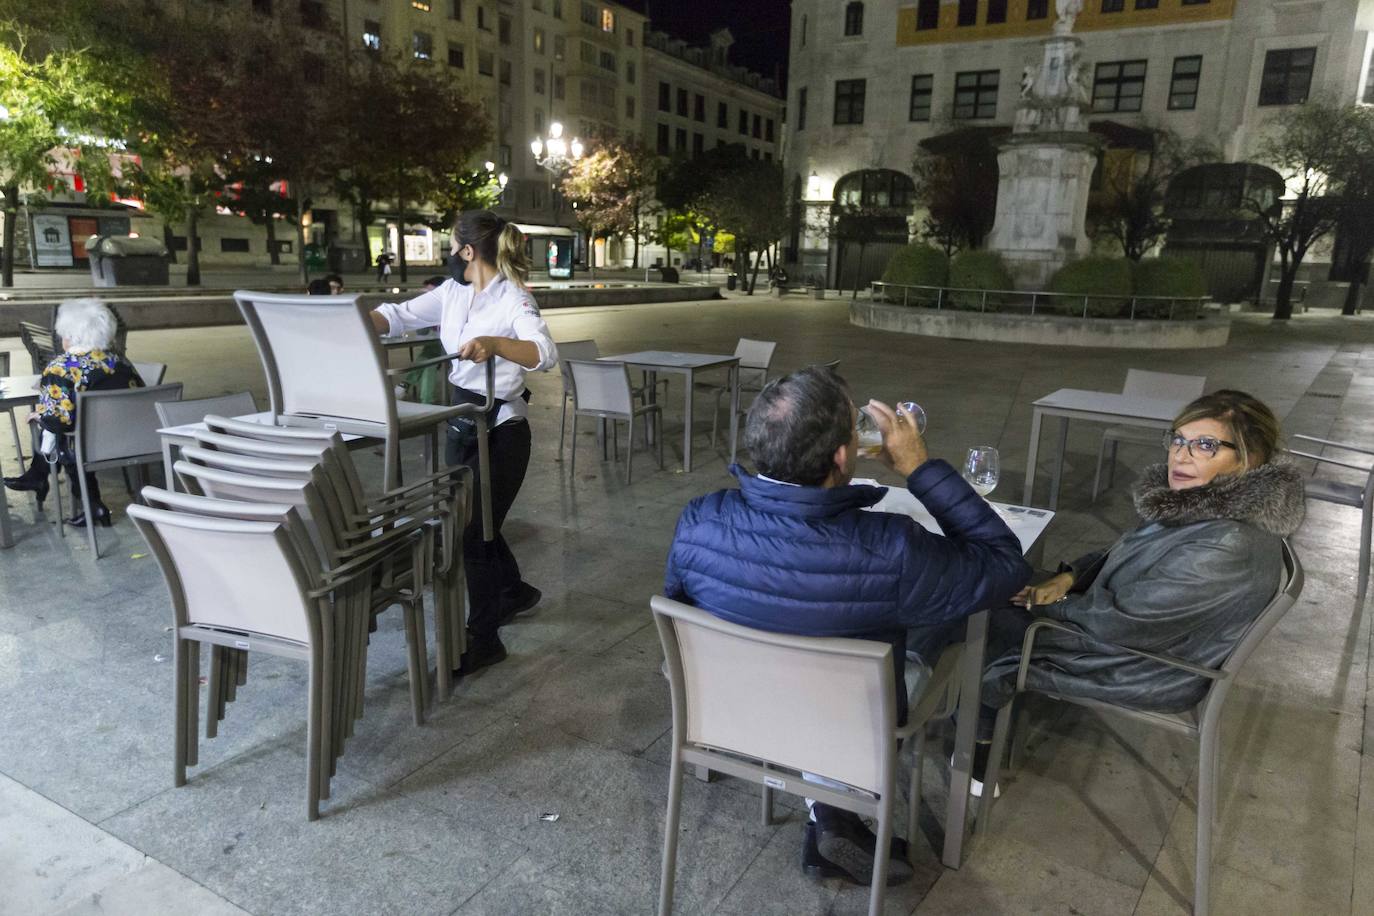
(189, 430)
(1113, 402)
(671, 359)
(1026, 523)
(19, 389)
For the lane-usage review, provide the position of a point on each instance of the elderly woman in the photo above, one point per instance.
(1186, 583)
(87, 329)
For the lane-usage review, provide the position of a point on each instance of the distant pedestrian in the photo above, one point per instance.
(384, 266)
(335, 282)
(318, 287)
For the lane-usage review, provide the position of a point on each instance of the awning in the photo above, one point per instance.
(532, 230)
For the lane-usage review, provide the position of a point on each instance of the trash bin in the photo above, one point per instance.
(127, 260)
(347, 257)
(731, 280)
(668, 274)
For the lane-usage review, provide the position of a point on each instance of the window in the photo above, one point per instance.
(607, 95)
(975, 94)
(758, 127)
(968, 12)
(629, 106)
(1287, 76)
(744, 122)
(1183, 83)
(699, 108)
(537, 5)
(854, 18)
(589, 14)
(767, 156)
(486, 63)
(505, 72)
(664, 97)
(663, 146)
(608, 62)
(312, 67)
(607, 20)
(997, 11)
(539, 81)
(682, 102)
(921, 87)
(1147, 4)
(372, 35)
(801, 109)
(455, 10)
(629, 38)
(503, 155)
(680, 140)
(421, 5)
(312, 14)
(263, 6)
(875, 188)
(558, 9)
(1195, 2)
(1119, 86)
(1037, 9)
(455, 55)
(538, 41)
(753, 154)
(234, 246)
(849, 101)
(768, 130)
(503, 29)
(588, 53)
(423, 43)
(927, 15)
(630, 73)
(698, 144)
(723, 113)
(803, 31)
(560, 47)
(1113, 6)
(538, 121)
(1368, 96)
(558, 87)
(482, 19)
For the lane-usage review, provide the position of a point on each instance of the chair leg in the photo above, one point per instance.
(1208, 751)
(1097, 475)
(629, 446)
(658, 434)
(18, 445)
(670, 830)
(1111, 465)
(193, 707)
(55, 485)
(90, 518)
(562, 426)
(1365, 529)
(994, 771)
(214, 696)
(184, 694)
(884, 833)
(572, 457)
(913, 795)
(767, 806)
(313, 732)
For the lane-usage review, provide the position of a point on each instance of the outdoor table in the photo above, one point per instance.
(687, 365)
(410, 340)
(178, 436)
(1028, 525)
(1099, 407)
(15, 391)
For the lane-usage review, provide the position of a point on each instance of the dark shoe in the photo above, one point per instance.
(519, 600)
(27, 484)
(102, 518)
(845, 842)
(481, 653)
(814, 865)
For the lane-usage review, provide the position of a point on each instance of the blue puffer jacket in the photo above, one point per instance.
(809, 561)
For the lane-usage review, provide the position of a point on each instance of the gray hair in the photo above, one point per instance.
(86, 324)
(796, 423)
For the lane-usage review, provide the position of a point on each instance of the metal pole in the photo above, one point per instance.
(906, 295)
(939, 297)
(1032, 302)
(1133, 308)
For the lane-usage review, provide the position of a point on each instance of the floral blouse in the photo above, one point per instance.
(72, 372)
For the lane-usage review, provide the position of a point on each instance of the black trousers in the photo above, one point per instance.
(1006, 630)
(491, 568)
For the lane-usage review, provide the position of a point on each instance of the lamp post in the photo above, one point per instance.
(556, 156)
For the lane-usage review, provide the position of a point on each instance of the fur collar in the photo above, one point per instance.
(1270, 497)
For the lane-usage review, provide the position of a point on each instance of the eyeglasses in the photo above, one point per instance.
(1201, 447)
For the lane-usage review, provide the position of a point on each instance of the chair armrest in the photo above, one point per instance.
(420, 364)
(357, 566)
(462, 472)
(1324, 460)
(1045, 623)
(1340, 445)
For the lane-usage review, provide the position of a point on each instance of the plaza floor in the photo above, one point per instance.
(446, 818)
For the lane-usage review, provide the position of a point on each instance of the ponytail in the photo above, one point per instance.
(497, 242)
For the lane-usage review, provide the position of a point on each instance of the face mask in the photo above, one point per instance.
(456, 268)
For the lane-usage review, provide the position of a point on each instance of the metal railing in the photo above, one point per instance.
(1001, 301)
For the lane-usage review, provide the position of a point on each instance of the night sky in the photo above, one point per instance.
(760, 27)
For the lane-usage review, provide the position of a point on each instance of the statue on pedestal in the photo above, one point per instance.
(1068, 11)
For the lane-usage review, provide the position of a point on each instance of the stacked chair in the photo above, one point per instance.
(287, 504)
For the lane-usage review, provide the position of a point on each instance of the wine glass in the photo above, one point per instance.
(981, 469)
(871, 437)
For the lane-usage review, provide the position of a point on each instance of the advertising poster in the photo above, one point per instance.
(51, 241)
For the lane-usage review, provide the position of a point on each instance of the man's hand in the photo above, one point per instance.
(481, 349)
(1047, 592)
(903, 448)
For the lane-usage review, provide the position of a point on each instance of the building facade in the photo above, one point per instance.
(869, 81)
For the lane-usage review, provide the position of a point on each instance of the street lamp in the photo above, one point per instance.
(556, 155)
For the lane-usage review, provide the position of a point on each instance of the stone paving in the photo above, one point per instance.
(445, 818)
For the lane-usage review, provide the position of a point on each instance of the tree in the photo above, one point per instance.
(1355, 213)
(466, 189)
(1129, 208)
(612, 186)
(1309, 147)
(956, 183)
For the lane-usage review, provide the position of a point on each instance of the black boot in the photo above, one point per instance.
(846, 843)
(33, 480)
(483, 652)
(101, 513)
(518, 600)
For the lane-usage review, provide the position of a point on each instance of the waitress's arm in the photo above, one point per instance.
(424, 311)
(531, 346)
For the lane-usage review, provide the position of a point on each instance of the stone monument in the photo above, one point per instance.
(1046, 165)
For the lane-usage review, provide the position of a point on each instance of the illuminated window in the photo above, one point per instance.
(849, 102)
(921, 88)
(538, 41)
(421, 5)
(975, 94)
(372, 35)
(1287, 76)
(423, 43)
(1119, 86)
(607, 20)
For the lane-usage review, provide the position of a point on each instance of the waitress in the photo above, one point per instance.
(486, 312)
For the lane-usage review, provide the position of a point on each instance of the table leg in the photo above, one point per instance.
(1032, 455)
(734, 408)
(687, 421)
(1058, 474)
(6, 535)
(169, 477)
(965, 735)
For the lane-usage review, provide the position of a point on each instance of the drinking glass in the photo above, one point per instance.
(871, 437)
(981, 469)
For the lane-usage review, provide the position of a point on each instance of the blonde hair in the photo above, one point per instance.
(495, 241)
(86, 324)
(1253, 426)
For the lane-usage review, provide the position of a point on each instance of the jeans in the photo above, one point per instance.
(491, 567)
(1006, 629)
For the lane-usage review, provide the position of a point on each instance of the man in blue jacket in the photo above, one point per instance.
(791, 551)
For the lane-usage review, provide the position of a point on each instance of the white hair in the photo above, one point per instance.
(85, 324)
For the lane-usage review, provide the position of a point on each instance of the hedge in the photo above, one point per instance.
(977, 270)
(1096, 277)
(916, 265)
(1180, 278)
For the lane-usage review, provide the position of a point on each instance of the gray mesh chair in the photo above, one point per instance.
(1354, 495)
(326, 369)
(755, 359)
(1147, 384)
(1202, 723)
(40, 344)
(587, 350)
(181, 413)
(749, 703)
(286, 607)
(151, 373)
(602, 390)
(116, 428)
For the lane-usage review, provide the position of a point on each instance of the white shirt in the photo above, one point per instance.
(503, 309)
